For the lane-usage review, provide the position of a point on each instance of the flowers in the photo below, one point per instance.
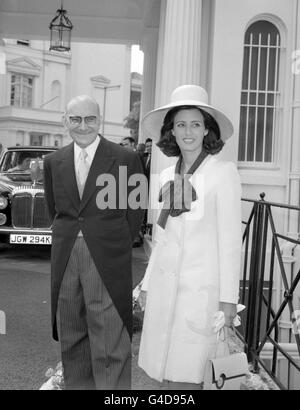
(56, 379)
(137, 313)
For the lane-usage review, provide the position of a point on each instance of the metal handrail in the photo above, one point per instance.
(259, 224)
(275, 204)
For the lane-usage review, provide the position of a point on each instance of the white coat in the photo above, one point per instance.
(195, 264)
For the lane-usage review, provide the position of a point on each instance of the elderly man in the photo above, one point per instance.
(91, 253)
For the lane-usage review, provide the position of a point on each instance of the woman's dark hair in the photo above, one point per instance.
(212, 142)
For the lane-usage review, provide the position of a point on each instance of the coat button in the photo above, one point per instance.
(81, 219)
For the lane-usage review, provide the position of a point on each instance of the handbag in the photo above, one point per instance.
(226, 371)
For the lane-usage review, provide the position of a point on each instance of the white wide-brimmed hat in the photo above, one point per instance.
(185, 95)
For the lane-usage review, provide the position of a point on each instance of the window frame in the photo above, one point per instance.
(279, 107)
(22, 86)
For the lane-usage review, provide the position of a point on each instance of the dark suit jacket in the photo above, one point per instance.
(108, 233)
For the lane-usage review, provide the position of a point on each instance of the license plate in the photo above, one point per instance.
(30, 239)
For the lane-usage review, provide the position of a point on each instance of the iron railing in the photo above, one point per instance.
(262, 260)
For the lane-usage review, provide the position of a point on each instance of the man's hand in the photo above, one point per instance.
(230, 312)
(142, 299)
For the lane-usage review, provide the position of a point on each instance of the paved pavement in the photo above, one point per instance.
(27, 350)
(140, 381)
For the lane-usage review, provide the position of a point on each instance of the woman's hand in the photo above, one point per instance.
(142, 299)
(230, 312)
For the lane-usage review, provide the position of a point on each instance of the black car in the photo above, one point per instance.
(23, 215)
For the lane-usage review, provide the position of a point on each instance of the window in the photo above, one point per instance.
(21, 90)
(260, 93)
(36, 139)
(58, 140)
(134, 97)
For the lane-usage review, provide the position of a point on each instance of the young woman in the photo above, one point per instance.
(194, 268)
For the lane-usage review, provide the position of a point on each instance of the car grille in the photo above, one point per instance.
(40, 216)
(29, 211)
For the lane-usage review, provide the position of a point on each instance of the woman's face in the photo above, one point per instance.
(189, 130)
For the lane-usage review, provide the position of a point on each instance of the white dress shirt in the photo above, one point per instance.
(90, 150)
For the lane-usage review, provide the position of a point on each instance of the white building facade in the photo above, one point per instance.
(37, 85)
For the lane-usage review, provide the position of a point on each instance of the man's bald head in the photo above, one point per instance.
(82, 100)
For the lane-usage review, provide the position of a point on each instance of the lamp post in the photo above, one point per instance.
(60, 29)
(105, 88)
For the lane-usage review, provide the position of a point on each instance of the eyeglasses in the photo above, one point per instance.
(76, 120)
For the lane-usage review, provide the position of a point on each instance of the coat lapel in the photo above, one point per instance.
(101, 164)
(67, 172)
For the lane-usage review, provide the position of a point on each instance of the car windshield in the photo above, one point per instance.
(20, 162)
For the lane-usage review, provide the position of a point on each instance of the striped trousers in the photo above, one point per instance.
(95, 345)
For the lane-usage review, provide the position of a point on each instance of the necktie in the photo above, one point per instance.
(83, 171)
(147, 166)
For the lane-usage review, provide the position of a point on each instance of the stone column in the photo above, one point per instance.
(149, 47)
(290, 252)
(26, 140)
(49, 140)
(294, 173)
(178, 63)
(3, 77)
(2, 61)
(180, 41)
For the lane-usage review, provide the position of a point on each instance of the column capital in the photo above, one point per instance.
(149, 34)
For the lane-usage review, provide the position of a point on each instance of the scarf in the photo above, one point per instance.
(179, 194)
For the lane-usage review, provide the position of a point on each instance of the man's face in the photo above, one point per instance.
(83, 121)
(127, 144)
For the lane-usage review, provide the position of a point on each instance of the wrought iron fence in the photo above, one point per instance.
(262, 316)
